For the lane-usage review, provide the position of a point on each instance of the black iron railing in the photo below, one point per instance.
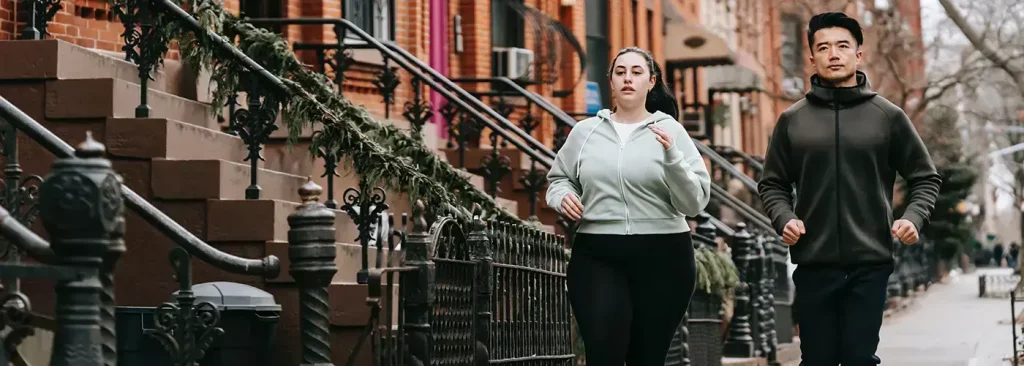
(497, 295)
(467, 115)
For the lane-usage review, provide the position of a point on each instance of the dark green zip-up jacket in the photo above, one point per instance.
(842, 148)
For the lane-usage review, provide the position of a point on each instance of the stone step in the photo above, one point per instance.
(108, 97)
(169, 139)
(266, 220)
(218, 179)
(56, 59)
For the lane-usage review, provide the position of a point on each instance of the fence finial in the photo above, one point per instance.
(90, 148)
(310, 192)
(419, 222)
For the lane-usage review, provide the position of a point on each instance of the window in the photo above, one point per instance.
(264, 9)
(636, 23)
(507, 24)
(372, 16)
(792, 58)
(792, 45)
(598, 49)
(650, 29)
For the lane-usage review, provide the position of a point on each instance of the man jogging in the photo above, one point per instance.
(842, 147)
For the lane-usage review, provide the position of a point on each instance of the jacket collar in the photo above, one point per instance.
(841, 97)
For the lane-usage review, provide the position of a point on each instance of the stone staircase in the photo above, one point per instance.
(183, 162)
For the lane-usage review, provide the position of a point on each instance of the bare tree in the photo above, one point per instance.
(993, 102)
(995, 41)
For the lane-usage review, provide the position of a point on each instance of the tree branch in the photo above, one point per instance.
(993, 54)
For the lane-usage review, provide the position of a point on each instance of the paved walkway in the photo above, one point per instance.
(950, 325)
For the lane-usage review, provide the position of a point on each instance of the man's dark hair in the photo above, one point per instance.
(833, 20)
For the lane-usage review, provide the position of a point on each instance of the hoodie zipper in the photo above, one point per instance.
(622, 184)
(618, 168)
(839, 222)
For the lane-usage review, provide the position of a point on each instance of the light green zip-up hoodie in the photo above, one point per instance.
(634, 188)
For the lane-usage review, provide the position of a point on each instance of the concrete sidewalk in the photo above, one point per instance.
(950, 325)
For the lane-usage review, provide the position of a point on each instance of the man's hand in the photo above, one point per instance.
(572, 207)
(791, 233)
(905, 231)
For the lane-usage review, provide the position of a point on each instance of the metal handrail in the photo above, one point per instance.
(747, 159)
(558, 114)
(529, 145)
(725, 164)
(22, 237)
(465, 94)
(748, 212)
(390, 51)
(269, 266)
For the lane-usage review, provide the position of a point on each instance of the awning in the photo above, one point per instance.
(690, 45)
(744, 76)
(733, 79)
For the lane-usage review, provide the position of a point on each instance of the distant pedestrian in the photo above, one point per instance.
(630, 176)
(1014, 255)
(842, 147)
(997, 254)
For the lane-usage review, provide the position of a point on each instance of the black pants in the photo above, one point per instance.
(629, 294)
(840, 313)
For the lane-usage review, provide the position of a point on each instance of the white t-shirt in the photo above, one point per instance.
(624, 129)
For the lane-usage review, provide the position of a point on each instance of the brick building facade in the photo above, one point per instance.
(455, 37)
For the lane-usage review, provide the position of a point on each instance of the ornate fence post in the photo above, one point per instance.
(756, 277)
(481, 254)
(739, 342)
(420, 290)
(770, 340)
(311, 248)
(707, 229)
(83, 212)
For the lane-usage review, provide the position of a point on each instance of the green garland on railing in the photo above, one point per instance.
(716, 273)
(379, 153)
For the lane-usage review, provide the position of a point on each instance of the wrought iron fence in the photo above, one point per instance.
(471, 292)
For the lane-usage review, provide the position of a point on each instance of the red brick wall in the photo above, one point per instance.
(88, 23)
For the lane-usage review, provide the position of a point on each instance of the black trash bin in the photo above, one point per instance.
(248, 316)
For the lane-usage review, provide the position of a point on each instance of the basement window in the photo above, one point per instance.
(372, 16)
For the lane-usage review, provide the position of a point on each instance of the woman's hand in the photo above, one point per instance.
(662, 136)
(572, 207)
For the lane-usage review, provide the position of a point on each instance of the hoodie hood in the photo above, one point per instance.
(841, 97)
(657, 116)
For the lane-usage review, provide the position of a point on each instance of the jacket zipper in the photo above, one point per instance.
(618, 168)
(839, 223)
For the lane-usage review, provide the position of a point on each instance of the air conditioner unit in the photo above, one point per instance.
(793, 85)
(512, 62)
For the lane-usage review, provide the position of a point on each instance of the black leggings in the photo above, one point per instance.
(629, 293)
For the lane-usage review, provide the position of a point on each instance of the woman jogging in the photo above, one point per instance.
(630, 176)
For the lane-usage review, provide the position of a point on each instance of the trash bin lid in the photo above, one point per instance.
(234, 296)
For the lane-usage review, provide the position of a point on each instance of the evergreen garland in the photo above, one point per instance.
(716, 273)
(379, 153)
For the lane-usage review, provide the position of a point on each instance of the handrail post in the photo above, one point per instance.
(480, 246)
(419, 285)
(83, 211)
(739, 342)
(311, 250)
